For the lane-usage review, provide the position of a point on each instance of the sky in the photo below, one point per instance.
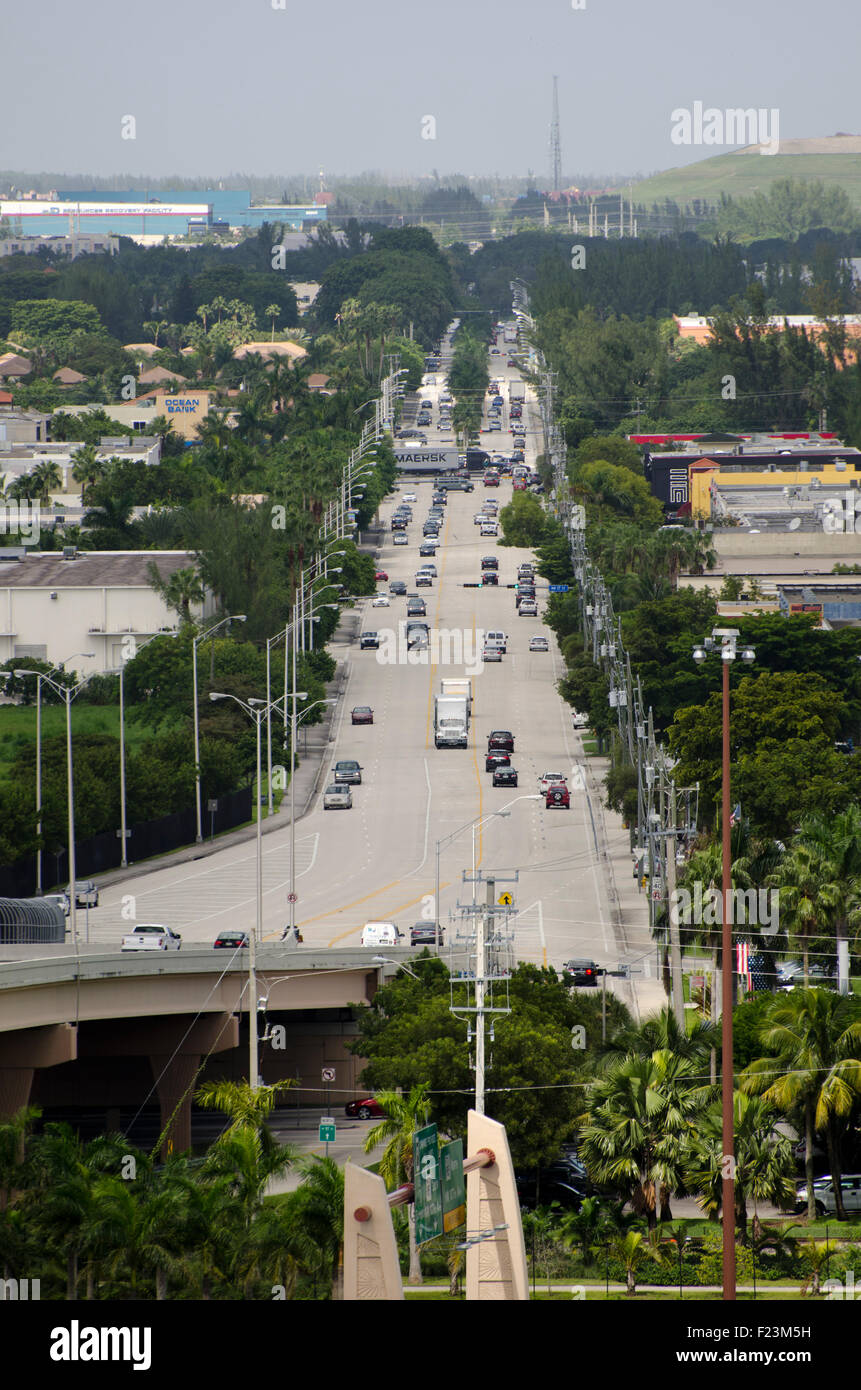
(286, 87)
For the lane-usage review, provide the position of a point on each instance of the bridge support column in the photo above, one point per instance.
(174, 1083)
(23, 1052)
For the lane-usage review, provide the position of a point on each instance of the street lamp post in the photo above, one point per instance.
(67, 693)
(39, 678)
(238, 618)
(124, 856)
(724, 641)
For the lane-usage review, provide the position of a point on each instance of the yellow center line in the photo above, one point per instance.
(398, 907)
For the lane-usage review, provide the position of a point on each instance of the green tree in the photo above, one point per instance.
(404, 1116)
(764, 1162)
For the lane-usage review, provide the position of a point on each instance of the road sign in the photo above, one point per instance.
(328, 1073)
(327, 1129)
(505, 900)
(558, 588)
(452, 1185)
(428, 1194)
(292, 897)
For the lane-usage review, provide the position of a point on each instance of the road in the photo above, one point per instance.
(378, 861)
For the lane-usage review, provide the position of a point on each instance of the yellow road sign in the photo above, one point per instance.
(505, 900)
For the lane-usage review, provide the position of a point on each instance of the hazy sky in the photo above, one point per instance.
(217, 86)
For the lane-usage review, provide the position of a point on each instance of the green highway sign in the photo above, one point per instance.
(428, 1195)
(452, 1185)
(327, 1129)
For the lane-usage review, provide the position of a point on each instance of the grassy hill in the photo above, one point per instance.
(834, 159)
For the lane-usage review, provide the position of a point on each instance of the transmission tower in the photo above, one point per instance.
(555, 147)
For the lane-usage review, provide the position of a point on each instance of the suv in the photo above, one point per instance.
(580, 972)
(500, 741)
(369, 639)
(348, 770)
(489, 562)
(423, 581)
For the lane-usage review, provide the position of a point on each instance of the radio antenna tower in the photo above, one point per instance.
(555, 148)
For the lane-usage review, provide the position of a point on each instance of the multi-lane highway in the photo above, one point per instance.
(378, 860)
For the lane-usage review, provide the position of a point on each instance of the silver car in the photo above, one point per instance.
(86, 892)
(337, 798)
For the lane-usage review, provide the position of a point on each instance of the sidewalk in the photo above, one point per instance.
(310, 765)
(628, 907)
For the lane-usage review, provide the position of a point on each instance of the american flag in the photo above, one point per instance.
(743, 962)
(735, 813)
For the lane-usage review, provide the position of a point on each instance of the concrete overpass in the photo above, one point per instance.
(108, 1030)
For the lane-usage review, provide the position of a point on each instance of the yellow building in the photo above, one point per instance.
(828, 476)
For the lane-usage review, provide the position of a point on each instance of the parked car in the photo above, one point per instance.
(558, 798)
(539, 644)
(230, 940)
(581, 972)
(151, 936)
(500, 741)
(496, 759)
(367, 1109)
(369, 639)
(362, 714)
(424, 934)
(557, 1182)
(338, 797)
(580, 720)
(825, 1198)
(86, 892)
(348, 770)
(504, 777)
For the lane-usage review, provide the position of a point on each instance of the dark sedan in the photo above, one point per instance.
(230, 940)
(497, 759)
(504, 777)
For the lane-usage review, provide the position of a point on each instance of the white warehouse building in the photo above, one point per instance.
(53, 607)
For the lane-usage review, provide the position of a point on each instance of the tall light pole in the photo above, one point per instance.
(724, 641)
(38, 674)
(201, 637)
(256, 710)
(67, 693)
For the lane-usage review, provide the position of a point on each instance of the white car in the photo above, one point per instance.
(381, 601)
(151, 936)
(489, 528)
(547, 780)
(409, 497)
(528, 608)
(580, 721)
(491, 652)
(540, 644)
(400, 538)
(337, 797)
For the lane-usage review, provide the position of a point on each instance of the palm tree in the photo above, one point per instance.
(404, 1115)
(838, 840)
(87, 469)
(179, 591)
(634, 1132)
(45, 479)
(764, 1161)
(62, 1195)
(816, 1253)
(14, 1136)
(663, 1032)
(320, 1210)
(810, 893)
(273, 312)
(814, 1037)
(632, 1250)
(155, 326)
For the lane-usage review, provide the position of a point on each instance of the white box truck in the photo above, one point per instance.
(458, 685)
(451, 721)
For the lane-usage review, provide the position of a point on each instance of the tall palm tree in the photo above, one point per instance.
(838, 839)
(764, 1161)
(46, 478)
(814, 1038)
(404, 1115)
(87, 469)
(320, 1209)
(179, 591)
(810, 895)
(663, 1032)
(273, 312)
(634, 1131)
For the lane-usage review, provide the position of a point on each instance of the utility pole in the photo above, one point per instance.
(483, 924)
(675, 941)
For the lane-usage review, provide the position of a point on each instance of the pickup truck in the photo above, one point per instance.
(151, 936)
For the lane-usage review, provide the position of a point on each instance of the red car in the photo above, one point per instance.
(362, 714)
(381, 574)
(368, 1109)
(558, 797)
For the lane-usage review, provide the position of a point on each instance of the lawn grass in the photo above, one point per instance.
(18, 728)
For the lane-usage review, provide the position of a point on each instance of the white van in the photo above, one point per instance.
(381, 934)
(496, 639)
